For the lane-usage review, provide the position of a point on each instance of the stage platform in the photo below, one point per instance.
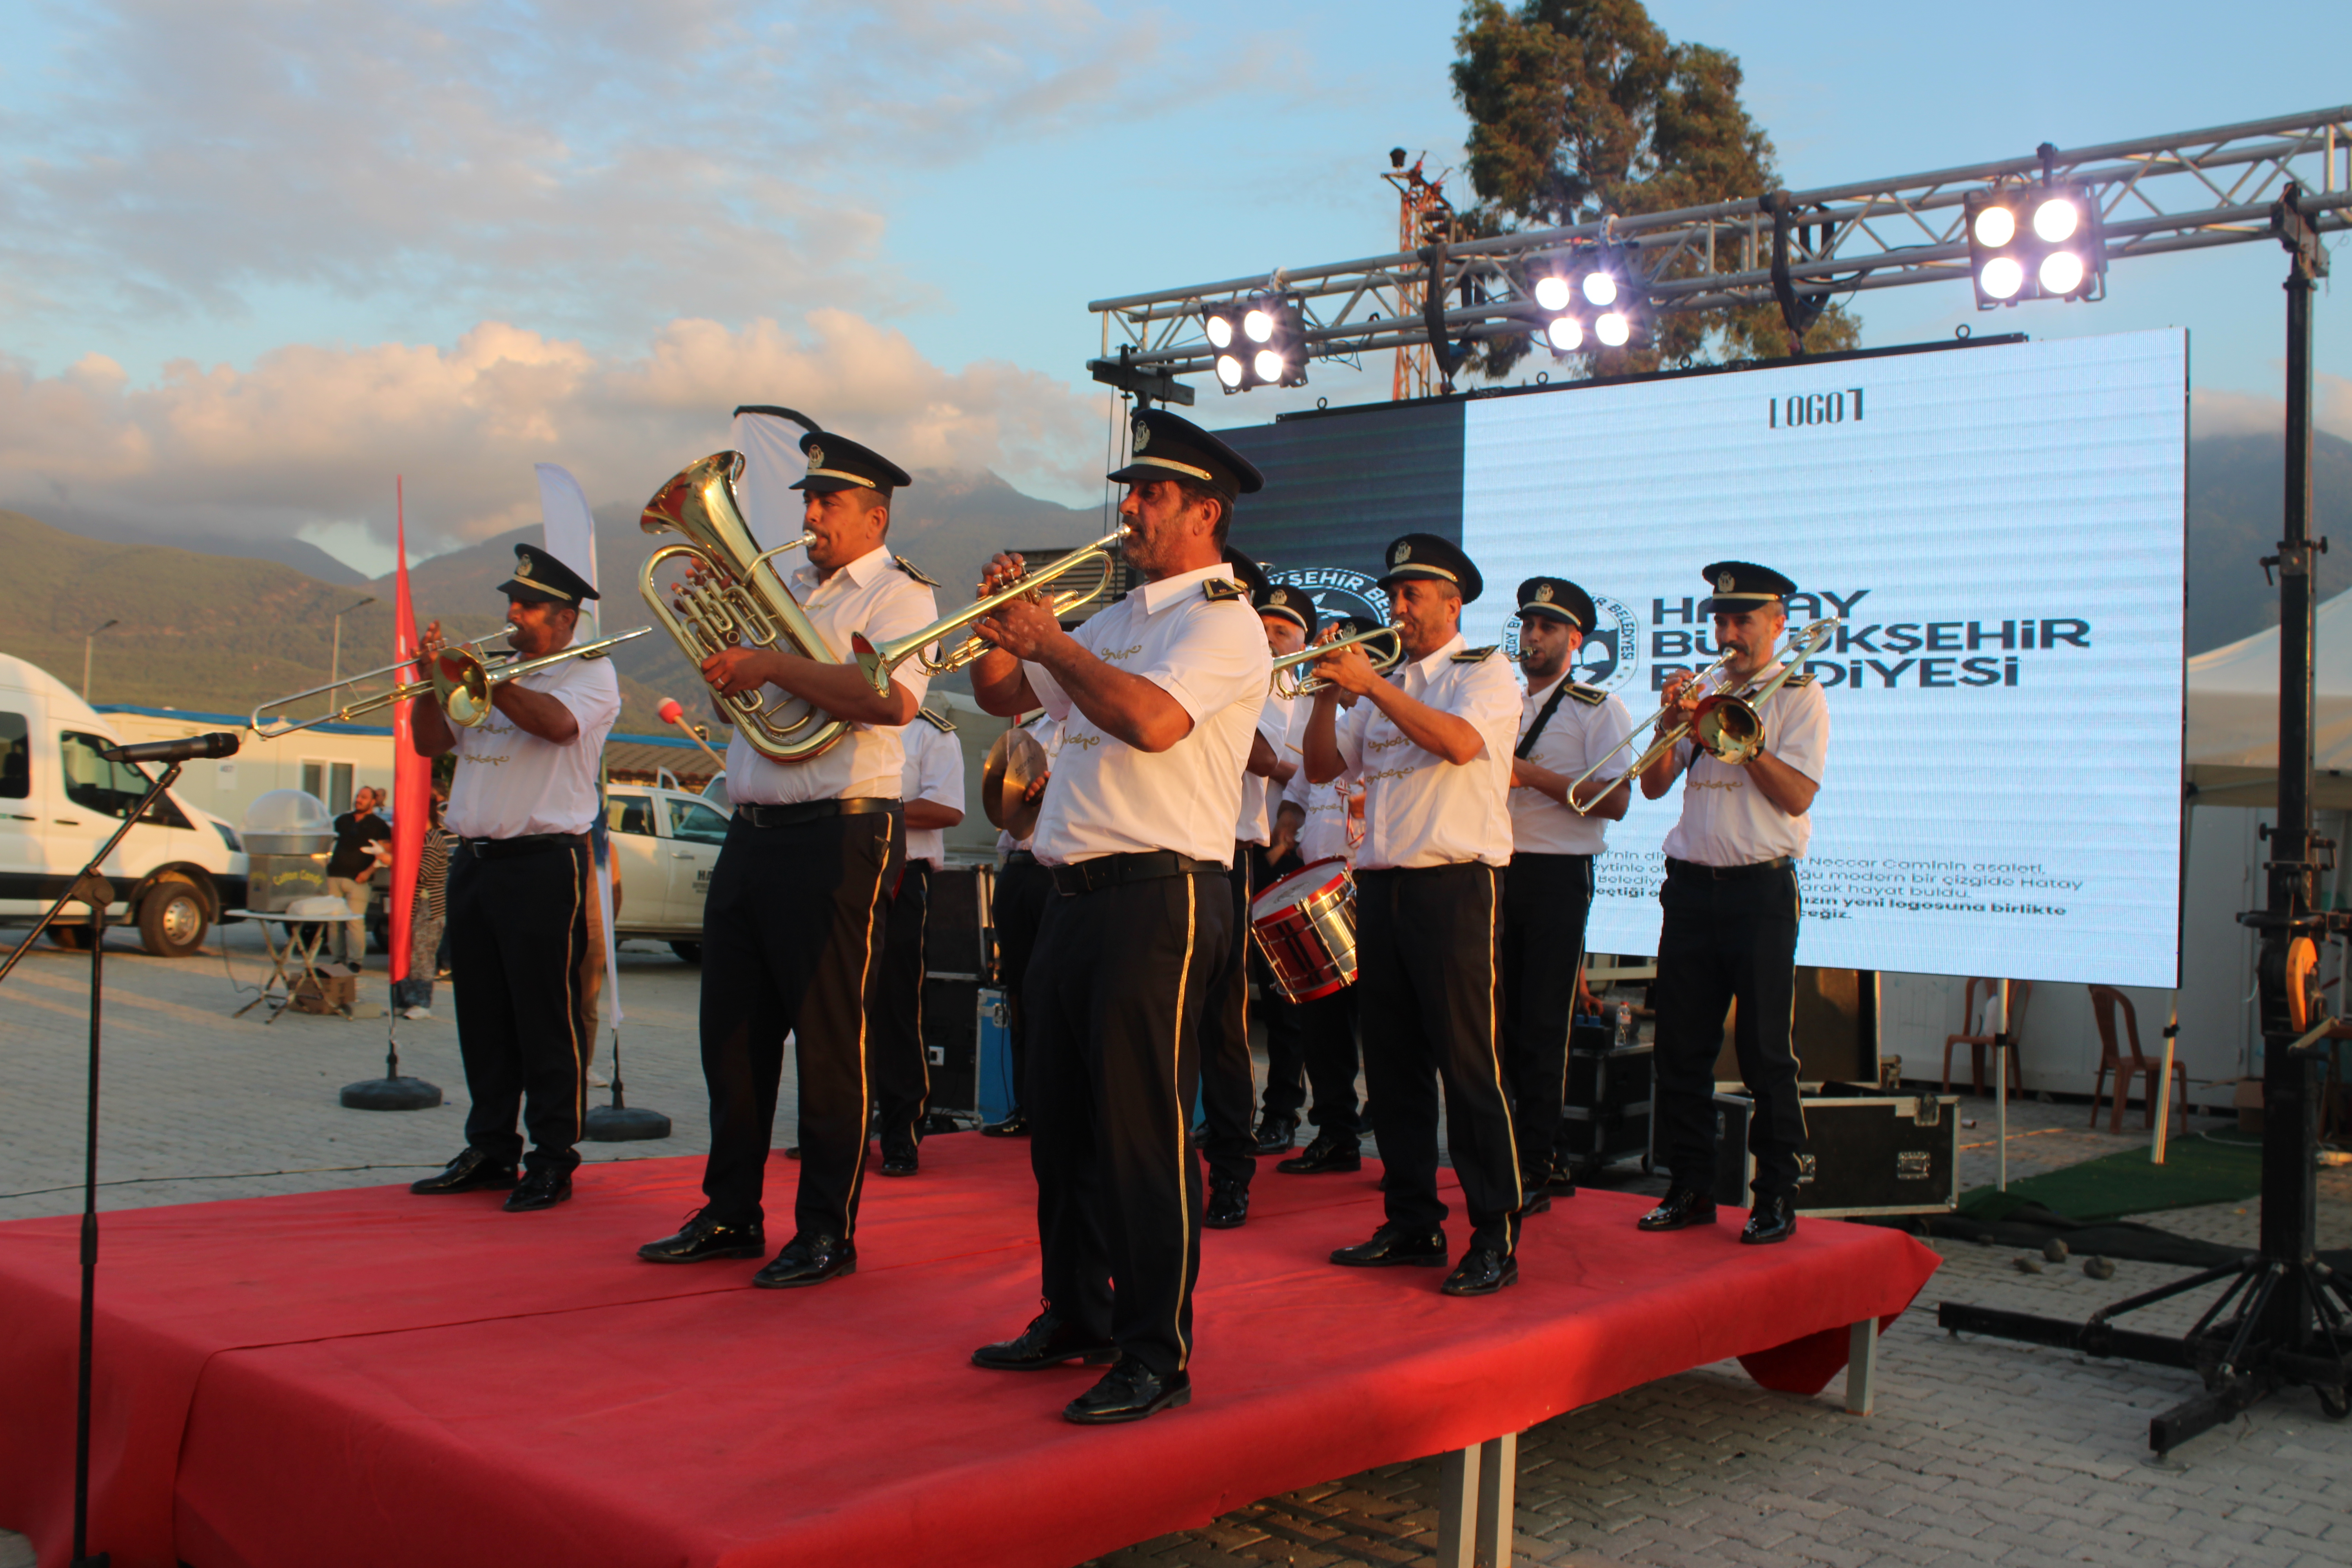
(365, 1377)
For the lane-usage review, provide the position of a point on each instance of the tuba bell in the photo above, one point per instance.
(741, 598)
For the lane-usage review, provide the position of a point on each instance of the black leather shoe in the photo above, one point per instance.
(1325, 1153)
(1228, 1204)
(1681, 1206)
(900, 1158)
(471, 1172)
(702, 1239)
(1771, 1220)
(1482, 1272)
(1393, 1245)
(791, 1151)
(1537, 1201)
(1559, 1180)
(1013, 1126)
(1276, 1135)
(1129, 1392)
(808, 1260)
(1050, 1340)
(539, 1190)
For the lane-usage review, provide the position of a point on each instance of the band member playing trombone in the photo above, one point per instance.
(1434, 742)
(1564, 727)
(1731, 910)
(521, 897)
(1159, 697)
(793, 924)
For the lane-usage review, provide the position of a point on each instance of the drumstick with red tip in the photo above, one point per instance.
(672, 712)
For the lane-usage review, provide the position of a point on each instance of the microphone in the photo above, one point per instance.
(219, 743)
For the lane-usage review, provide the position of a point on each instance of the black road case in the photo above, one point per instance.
(1608, 1113)
(1871, 1153)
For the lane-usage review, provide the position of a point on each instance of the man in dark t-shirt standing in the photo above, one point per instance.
(357, 832)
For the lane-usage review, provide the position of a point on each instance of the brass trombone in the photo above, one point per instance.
(1727, 725)
(1286, 686)
(461, 679)
(878, 662)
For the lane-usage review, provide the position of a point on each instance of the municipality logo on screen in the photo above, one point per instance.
(1611, 655)
(1339, 592)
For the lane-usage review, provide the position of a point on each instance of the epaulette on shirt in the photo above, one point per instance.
(1216, 589)
(908, 568)
(1796, 680)
(939, 721)
(1475, 654)
(1590, 696)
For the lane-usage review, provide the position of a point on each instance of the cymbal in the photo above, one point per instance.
(1015, 760)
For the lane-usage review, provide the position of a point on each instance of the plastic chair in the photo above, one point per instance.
(2019, 991)
(2105, 1001)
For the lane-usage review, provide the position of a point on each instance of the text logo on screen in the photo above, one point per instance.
(1339, 592)
(1610, 656)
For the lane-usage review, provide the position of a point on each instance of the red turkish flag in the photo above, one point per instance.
(412, 776)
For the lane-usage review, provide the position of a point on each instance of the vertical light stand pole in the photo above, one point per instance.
(2000, 1086)
(335, 658)
(89, 641)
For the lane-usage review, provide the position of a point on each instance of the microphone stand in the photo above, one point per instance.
(92, 889)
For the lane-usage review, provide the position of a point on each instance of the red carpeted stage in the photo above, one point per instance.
(366, 1377)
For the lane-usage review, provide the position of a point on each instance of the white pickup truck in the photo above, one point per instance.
(666, 842)
(175, 871)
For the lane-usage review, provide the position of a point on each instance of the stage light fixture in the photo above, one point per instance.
(1553, 293)
(1612, 328)
(1270, 366)
(1230, 372)
(1566, 334)
(1259, 341)
(1220, 328)
(1257, 325)
(1601, 288)
(2035, 242)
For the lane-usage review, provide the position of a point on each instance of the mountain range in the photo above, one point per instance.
(213, 626)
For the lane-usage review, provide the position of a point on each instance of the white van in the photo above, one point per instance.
(666, 843)
(175, 871)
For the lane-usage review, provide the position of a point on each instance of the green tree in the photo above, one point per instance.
(1583, 107)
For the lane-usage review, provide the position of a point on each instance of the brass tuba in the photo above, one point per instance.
(742, 598)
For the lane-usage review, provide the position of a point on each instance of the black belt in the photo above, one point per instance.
(527, 844)
(1140, 866)
(1019, 858)
(1729, 873)
(812, 811)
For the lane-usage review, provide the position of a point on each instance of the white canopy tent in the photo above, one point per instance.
(2232, 743)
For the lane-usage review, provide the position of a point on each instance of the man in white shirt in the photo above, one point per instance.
(1433, 743)
(792, 925)
(1023, 887)
(520, 902)
(1289, 616)
(1731, 910)
(1565, 728)
(1159, 698)
(931, 787)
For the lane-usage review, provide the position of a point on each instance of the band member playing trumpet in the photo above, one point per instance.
(1158, 696)
(1731, 912)
(1433, 743)
(793, 923)
(522, 898)
(1564, 727)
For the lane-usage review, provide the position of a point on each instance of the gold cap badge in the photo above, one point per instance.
(816, 456)
(1724, 583)
(1143, 434)
(1543, 594)
(1401, 554)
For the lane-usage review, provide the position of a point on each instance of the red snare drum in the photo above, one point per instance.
(1306, 926)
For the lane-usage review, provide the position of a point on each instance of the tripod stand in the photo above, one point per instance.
(92, 889)
(2289, 1318)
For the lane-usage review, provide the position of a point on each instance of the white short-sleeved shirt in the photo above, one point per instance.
(1726, 819)
(510, 784)
(933, 771)
(1419, 808)
(1260, 795)
(874, 597)
(1323, 835)
(1582, 729)
(1108, 797)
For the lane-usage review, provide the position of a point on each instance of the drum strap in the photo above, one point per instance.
(1543, 717)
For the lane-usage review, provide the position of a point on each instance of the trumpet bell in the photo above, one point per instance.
(462, 682)
(1728, 728)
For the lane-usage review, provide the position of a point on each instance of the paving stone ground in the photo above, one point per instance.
(1980, 1452)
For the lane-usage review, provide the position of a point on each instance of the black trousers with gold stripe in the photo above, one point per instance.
(1117, 991)
(518, 931)
(792, 944)
(1546, 898)
(1429, 1003)
(1228, 1086)
(902, 1069)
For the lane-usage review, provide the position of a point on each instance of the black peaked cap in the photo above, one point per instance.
(541, 579)
(838, 463)
(1169, 447)
(1289, 601)
(1741, 586)
(1434, 558)
(1560, 599)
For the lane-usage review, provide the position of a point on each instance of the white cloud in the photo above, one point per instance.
(2215, 411)
(309, 437)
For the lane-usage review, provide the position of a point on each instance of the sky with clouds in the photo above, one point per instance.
(257, 255)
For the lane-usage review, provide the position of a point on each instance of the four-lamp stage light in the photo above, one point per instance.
(1259, 341)
(2035, 242)
(1584, 300)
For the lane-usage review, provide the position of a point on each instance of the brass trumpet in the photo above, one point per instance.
(1288, 686)
(461, 679)
(1727, 725)
(878, 662)
(741, 598)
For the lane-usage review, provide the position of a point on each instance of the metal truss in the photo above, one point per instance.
(2159, 194)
